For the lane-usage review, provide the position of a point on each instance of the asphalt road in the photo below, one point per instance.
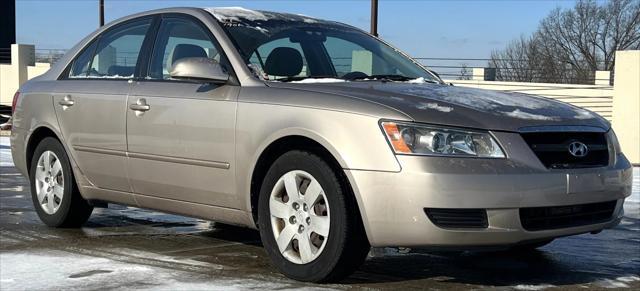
(126, 247)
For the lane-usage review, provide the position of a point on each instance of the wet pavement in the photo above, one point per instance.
(126, 247)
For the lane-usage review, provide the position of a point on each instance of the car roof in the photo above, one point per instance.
(241, 14)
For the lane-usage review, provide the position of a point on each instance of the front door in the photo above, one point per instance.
(91, 103)
(180, 134)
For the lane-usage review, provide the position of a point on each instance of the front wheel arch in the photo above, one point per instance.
(281, 146)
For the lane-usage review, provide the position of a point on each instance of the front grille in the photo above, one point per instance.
(543, 218)
(457, 218)
(552, 148)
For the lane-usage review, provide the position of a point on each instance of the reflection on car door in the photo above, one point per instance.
(91, 101)
(181, 140)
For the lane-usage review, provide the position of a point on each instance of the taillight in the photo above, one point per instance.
(14, 102)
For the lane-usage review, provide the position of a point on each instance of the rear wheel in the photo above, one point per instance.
(308, 220)
(53, 190)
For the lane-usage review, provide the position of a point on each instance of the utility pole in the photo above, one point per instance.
(374, 17)
(101, 13)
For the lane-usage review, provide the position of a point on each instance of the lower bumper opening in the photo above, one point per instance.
(546, 218)
(457, 218)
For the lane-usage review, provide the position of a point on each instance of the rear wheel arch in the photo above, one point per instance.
(35, 138)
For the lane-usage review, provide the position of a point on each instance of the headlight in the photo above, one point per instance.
(615, 144)
(408, 138)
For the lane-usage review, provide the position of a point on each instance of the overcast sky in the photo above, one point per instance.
(454, 29)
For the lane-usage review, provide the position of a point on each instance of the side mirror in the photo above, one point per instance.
(199, 69)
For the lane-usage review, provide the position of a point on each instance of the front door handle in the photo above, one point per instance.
(140, 105)
(66, 102)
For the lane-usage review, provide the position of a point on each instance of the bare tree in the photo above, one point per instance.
(465, 73)
(570, 45)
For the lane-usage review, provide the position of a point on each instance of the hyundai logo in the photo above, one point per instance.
(578, 149)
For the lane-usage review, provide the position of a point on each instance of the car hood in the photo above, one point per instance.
(460, 106)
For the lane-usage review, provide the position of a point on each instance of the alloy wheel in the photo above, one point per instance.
(49, 182)
(300, 217)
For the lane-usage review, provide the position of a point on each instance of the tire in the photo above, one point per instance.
(340, 250)
(70, 210)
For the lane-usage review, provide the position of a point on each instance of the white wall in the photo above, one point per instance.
(22, 68)
(597, 98)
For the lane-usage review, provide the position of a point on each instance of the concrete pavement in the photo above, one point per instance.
(126, 247)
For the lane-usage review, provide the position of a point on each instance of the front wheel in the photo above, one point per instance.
(53, 189)
(308, 220)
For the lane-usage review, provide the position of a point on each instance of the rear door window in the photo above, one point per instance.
(80, 67)
(114, 55)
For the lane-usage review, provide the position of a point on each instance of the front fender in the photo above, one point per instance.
(354, 140)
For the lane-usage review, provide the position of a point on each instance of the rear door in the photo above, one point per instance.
(92, 99)
(182, 146)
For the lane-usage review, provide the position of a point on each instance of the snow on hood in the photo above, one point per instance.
(460, 106)
(516, 105)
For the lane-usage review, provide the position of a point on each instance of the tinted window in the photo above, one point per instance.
(262, 53)
(180, 38)
(116, 53)
(344, 56)
(328, 49)
(80, 67)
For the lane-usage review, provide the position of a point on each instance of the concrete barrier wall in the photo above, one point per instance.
(597, 98)
(22, 68)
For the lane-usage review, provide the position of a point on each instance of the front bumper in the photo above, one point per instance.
(392, 203)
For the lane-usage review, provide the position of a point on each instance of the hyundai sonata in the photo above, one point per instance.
(326, 139)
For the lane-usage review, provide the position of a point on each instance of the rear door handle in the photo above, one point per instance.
(66, 102)
(140, 105)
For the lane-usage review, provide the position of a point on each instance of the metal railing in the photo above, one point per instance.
(462, 69)
(447, 68)
(50, 56)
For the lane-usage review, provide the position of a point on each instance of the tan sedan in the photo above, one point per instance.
(326, 139)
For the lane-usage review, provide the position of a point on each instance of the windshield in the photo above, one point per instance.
(286, 47)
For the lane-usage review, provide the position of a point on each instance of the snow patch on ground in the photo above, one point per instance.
(631, 278)
(620, 282)
(57, 270)
(532, 287)
(5, 152)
